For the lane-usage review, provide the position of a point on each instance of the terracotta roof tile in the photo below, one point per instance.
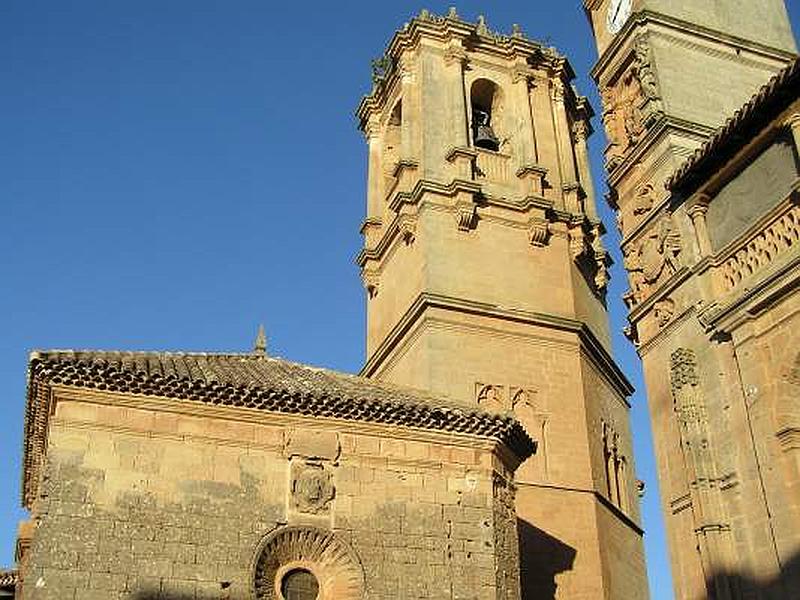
(249, 381)
(759, 111)
(8, 579)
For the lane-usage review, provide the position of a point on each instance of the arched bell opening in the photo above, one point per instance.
(392, 138)
(486, 108)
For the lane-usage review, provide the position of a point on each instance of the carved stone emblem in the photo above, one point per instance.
(311, 488)
(653, 260)
(645, 198)
(663, 311)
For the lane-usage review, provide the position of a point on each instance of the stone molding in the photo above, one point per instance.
(589, 344)
(645, 18)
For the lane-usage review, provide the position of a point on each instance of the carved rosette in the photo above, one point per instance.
(333, 563)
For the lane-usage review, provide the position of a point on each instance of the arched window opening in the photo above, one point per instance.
(299, 584)
(485, 102)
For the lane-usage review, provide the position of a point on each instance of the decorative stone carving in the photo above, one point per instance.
(644, 69)
(455, 53)
(491, 397)
(651, 261)
(539, 233)
(312, 488)
(794, 373)
(407, 228)
(683, 369)
(466, 215)
(631, 103)
(778, 238)
(644, 200)
(663, 310)
(371, 281)
(334, 564)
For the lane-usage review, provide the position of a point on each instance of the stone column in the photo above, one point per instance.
(374, 174)
(582, 131)
(455, 58)
(564, 141)
(526, 141)
(697, 213)
(410, 135)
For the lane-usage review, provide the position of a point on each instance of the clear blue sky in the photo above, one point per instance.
(174, 172)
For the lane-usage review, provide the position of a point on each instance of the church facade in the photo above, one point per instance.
(708, 213)
(176, 475)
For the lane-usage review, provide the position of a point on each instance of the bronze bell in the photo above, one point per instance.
(482, 132)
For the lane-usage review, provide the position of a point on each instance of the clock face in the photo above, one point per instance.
(618, 13)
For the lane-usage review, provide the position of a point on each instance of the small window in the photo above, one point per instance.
(299, 584)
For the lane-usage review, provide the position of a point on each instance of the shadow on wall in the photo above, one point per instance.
(542, 557)
(157, 594)
(786, 586)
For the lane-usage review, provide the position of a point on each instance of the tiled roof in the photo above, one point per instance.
(250, 381)
(8, 579)
(759, 111)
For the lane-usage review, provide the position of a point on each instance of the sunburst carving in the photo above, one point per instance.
(333, 563)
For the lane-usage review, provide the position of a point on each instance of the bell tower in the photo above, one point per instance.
(486, 281)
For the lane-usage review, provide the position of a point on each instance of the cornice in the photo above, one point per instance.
(663, 126)
(594, 350)
(600, 498)
(644, 18)
(474, 37)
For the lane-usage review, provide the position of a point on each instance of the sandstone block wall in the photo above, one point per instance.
(141, 503)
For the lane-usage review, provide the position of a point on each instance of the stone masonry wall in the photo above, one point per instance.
(141, 503)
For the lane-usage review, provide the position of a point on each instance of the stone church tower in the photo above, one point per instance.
(711, 252)
(487, 279)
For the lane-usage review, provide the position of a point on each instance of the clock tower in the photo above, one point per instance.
(670, 72)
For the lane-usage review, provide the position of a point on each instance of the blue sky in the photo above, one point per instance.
(174, 172)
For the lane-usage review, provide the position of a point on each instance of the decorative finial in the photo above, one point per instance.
(260, 346)
(425, 14)
(516, 30)
(451, 13)
(482, 27)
